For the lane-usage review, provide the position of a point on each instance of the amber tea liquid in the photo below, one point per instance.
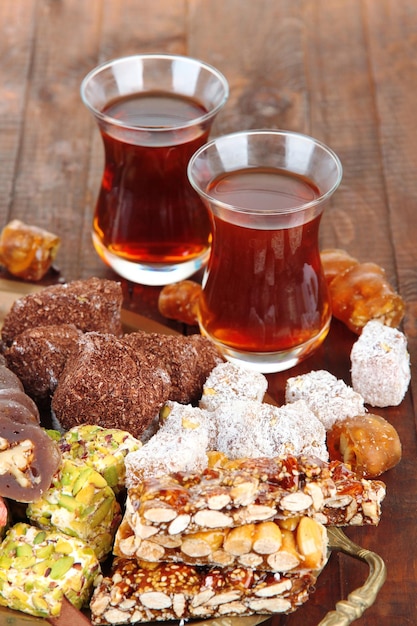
(147, 212)
(270, 294)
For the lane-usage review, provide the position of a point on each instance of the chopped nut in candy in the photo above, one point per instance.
(28, 456)
(133, 592)
(103, 449)
(27, 251)
(249, 491)
(369, 444)
(269, 546)
(80, 503)
(39, 568)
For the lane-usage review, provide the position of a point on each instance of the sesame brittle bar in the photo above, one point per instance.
(135, 592)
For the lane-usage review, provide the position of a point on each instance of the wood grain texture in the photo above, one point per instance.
(343, 71)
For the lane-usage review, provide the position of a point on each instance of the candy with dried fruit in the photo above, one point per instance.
(369, 444)
(335, 261)
(27, 251)
(362, 293)
(179, 301)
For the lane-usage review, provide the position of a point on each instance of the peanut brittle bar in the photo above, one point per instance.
(135, 592)
(296, 544)
(248, 491)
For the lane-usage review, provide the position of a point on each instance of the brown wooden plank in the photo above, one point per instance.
(16, 41)
(395, 81)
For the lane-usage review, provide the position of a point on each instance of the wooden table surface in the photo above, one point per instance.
(344, 71)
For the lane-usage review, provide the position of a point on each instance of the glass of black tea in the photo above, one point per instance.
(153, 111)
(264, 301)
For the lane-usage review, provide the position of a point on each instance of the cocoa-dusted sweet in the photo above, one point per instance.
(106, 383)
(93, 304)
(188, 359)
(38, 356)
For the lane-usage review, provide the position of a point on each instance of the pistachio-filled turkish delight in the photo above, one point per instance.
(103, 449)
(39, 568)
(80, 503)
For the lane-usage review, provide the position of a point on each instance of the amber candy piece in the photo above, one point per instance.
(368, 443)
(362, 293)
(335, 261)
(179, 301)
(27, 251)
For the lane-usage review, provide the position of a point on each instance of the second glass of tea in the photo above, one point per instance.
(153, 111)
(264, 301)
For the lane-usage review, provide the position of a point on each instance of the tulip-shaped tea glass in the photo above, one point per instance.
(265, 302)
(153, 112)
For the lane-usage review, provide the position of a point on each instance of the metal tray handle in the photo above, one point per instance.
(347, 611)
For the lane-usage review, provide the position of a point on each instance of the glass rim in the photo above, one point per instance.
(274, 133)
(154, 57)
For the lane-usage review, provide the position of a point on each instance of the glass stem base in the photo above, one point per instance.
(270, 362)
(153, 274)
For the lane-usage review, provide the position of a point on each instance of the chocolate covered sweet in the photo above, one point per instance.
(28, 456)
(188, 359)
(105, 382)
(28, 459)
(93, 304)
(38, 356)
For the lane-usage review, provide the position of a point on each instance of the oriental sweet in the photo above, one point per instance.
(380, 365)
(28, 456)
(93, 304)
(362, 293)
(274, 546)
(179, 301)
(187, 359)
(107, 383)
(369, 444)
(39, 568)
(27, 251)
(134, 592)
(246, 491)
(328, 397)
(80, 503)
(38, 356)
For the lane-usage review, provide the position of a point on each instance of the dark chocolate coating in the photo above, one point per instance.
(189, 360)
(93, 304)
(105, 382)
(38, 356)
